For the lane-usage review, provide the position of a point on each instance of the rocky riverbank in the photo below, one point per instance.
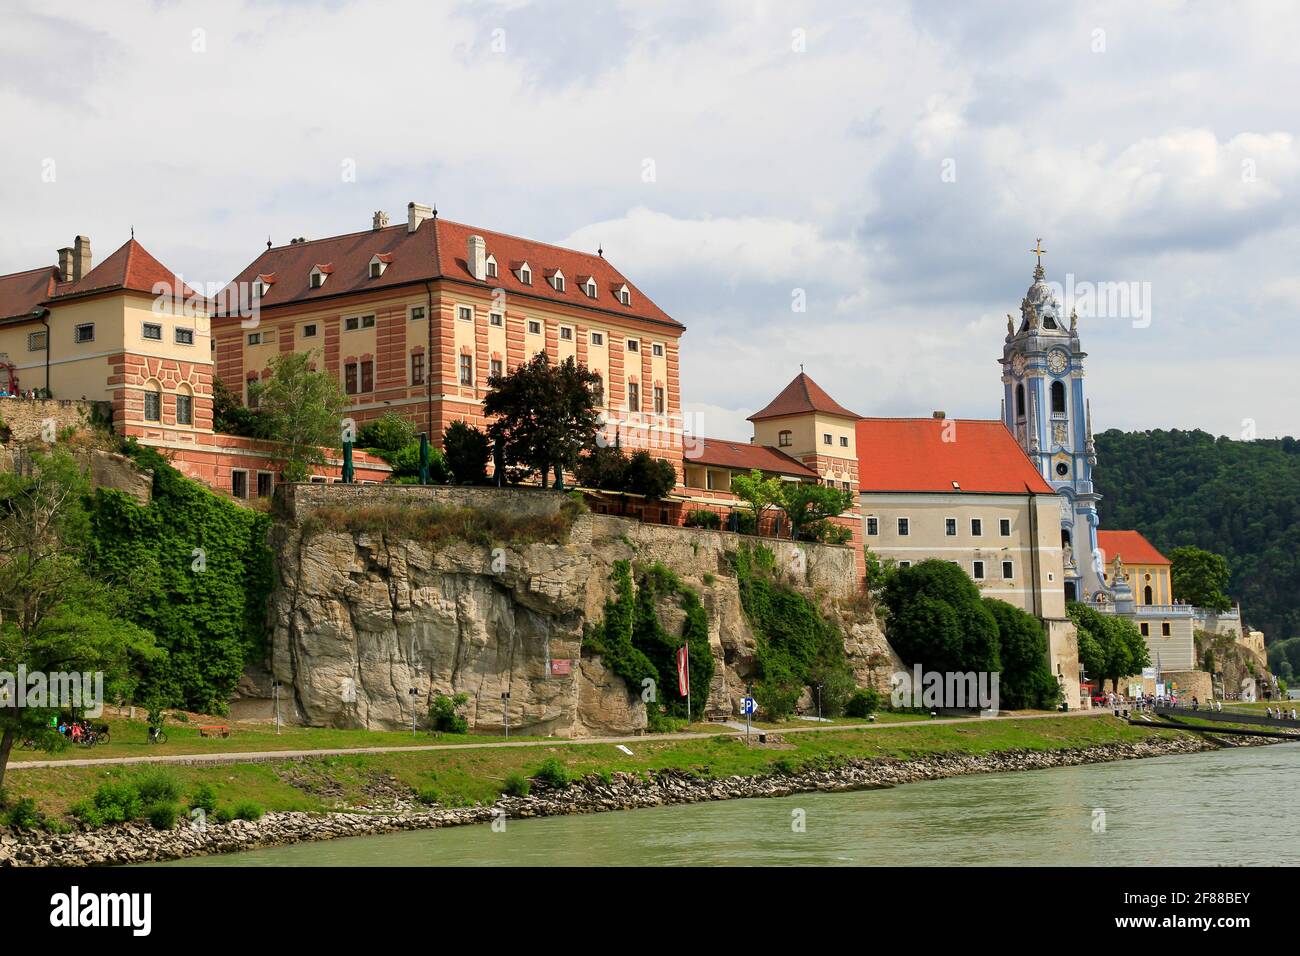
(139, 843)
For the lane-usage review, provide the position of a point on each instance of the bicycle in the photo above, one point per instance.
(157, 735)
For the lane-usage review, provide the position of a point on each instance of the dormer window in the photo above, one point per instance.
(491, 267)
(378, 263)
(319, 274)
(525, 273)
(556, 279)
(589, 287)
(259, 288)
(624, 295)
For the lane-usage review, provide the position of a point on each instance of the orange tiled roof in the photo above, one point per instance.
(744, 456)
(21, 292)
(801, 396)
(1130, 546)
(912, 454)
(438, 250)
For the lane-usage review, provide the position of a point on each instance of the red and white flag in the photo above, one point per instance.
(684, 670)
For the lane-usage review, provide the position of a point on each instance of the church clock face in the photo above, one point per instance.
(1057, 361)
(1018, 364)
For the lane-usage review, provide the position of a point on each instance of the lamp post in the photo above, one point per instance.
(414, 694)
(819, 703)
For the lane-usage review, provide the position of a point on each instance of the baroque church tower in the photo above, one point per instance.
(1044, 406)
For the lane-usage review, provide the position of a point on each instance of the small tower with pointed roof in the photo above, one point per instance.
(807, 424)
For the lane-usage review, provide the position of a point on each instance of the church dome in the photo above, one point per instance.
(1040, 308)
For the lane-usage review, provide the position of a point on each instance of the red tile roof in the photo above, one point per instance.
(438, 250)
(801, 396)
(1130, 546)
(744, 456)
(911, 454)
(22, 292)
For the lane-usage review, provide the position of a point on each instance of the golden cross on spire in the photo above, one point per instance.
(1038, 250)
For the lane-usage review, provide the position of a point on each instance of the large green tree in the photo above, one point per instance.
(1110, 647)
(937, 619)
(1200, 577)
(55, 618)
(808, 506)
(301, 410)
(757, 492)
(544, 414)
(1026, 679)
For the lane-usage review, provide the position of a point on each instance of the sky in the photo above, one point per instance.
(852, 187)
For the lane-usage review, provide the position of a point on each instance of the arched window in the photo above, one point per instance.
(1065, 537)
(1020, 401)
(152, 402)
(1146, 595)
(1058, 398)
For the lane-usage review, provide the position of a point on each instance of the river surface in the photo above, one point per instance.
(1225, 808)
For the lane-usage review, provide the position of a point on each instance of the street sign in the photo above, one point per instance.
(747, 705)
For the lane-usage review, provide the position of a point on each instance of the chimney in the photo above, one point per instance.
(380, 220)
(939, 414)
(65, 264)
(476, 257)
(80, 257)
(416, 214)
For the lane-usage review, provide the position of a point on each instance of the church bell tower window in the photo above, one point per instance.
(1058, 398)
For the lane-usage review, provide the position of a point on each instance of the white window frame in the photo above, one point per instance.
(632, 345)
(566, 333)
(497, 319)
(145, 327)
(254, 338)
(313, 333)
(657, 350)
(873, 521)
(828, 438)
(183, 330)
(1004, 523)
(977, 570)
(525, 274)
(490, 268)
(535, 327)
(950, 523)
(461, 311)
(78, 338)
(977, 533)
(904, 526)
(589, 287)
(417, 313)
(1008, 563)
(596, 339)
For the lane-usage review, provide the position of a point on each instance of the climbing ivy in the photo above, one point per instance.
(199, 570)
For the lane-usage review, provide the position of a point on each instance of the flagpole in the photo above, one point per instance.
(688, 684)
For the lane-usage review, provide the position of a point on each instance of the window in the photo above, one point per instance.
(977, 570)
(624, 296)
(976, 527)
(950, 527)
(417, 368)
(36, 341)
(846, 485)
(1020, 401)
(597, 338)
(184, 336)
(152, 405)
(367, 376)
(465, 313)
(152, 331)
(558, 282)
(495, 369)
(354, 322)
(904, 564)
(633, 345)
(826, 438)
(598, 392)
(184, 410)
(633, 396)
(1062, 468)
(376, 270)
(659, 400)
(491, 268)
(566, 333)
(317, 280)
(873, 525)
(467, 370)
(1004, 527)
(1165, 629)
(309, 331)
(1058, 399)
(1146, 629)
(904, 527)
(534, 327)
(1146, 595)
(417, 313)
(265, 482)
(1008, 571)
(84, 332)
(358, 377)
(259, 289)
(239, 483)
(783, 439)
(844, 441)
(497, 319)
(658, 350)
(590, 289)
(526, 275)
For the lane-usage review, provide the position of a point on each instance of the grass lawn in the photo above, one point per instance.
(475, 774)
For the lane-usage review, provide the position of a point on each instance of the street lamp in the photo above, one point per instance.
(819, 703)
(414, 694)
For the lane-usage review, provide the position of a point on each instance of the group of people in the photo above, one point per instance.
(79, 731)
(1281, 714)
(31, 393)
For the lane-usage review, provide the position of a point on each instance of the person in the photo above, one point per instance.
(1269, 712)
(1196, 704)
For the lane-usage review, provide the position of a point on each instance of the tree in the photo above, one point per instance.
(649, 476)
(757, 492)
(1200, 577)
(231, 417)
(603, 467)
(55, 620)
(1110, 647)
(808, 506)
(545, 414)
(302, 410)
(466, 450)
(1026, 679)
(937, 619)
(389, 433)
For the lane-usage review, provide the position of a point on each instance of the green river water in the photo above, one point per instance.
(1235, 807)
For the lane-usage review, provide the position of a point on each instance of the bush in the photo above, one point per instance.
(115, 802)
(405, 463)
(25, 815)
(204, 798)
(553, 773)
(745, 522)
(516, 785)
(224, 815)
(162, 816)
(864, 702)
(466, 450)
(248, 810)
(649, 476)
(443, 716)
(390, 433)
(700, 518)
(429, 796)
(157, 786)
(785, 765)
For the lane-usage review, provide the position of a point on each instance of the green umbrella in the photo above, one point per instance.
(349, 473)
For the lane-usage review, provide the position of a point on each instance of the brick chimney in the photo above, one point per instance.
(65, 264)
(939, 414)
(476, 257)
(416, 213)
(379, 221)
(81, 263)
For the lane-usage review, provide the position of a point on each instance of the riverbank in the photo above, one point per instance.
(781, 773)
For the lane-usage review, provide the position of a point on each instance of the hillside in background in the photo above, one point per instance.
(1238, 498)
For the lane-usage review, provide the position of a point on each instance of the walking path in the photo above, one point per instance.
(257, 756)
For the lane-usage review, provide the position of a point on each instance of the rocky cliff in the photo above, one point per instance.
(362, 617)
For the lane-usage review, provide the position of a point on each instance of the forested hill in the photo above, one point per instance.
(1238, 498)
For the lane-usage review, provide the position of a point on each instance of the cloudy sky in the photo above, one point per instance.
(889, 165)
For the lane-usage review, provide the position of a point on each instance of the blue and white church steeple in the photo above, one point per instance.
(1045, 407)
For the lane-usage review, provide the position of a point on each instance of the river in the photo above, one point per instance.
(1229, 807)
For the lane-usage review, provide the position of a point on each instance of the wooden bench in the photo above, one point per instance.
(214, 730)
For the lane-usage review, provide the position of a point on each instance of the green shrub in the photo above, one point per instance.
(746, 523)
(157, 786)
(443, 716)
(553, 773)
(516, 785)
(204, 798)
(25, 815)
(390, 433)
(113, 802)
(224, 814)
(466, 450)
(429, 796)
(162, 816)
(248, 810)
(785, 765)
(702, 518)
(864, 702)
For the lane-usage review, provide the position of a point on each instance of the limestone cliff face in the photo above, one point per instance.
(361, 618)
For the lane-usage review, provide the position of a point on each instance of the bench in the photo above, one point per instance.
(214, 730)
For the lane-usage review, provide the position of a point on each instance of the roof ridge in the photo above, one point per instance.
(26, 272)
(536, 242)
(342, 235)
